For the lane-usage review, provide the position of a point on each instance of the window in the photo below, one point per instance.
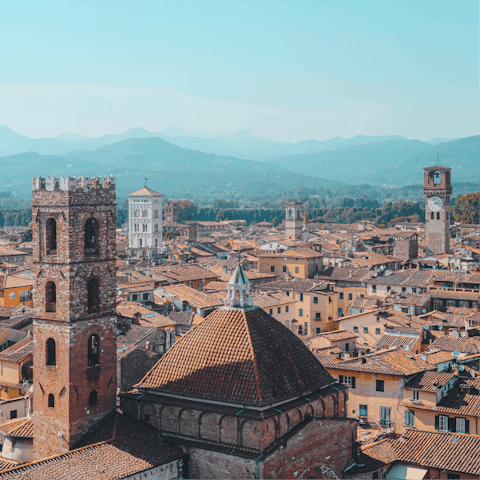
(144, 228)
(51, 352)
(287, 323)
(389, 288)
(284, 268)
(355, 329)
(339, 312)
(272, 268)
(374, 289)
(93, 398)
(378, 319)
(11, 295)
(460, 425)
(341, 295)
(50, 297)
(305, 325)
(296, 270)
(317, 316)
(350, 381)
(13, 414)
(51, 400)
(329, 299)
(140, 243)
(432, 215)
(377, 331)
(380, 386)
(301, 297)
(271, 311)
(438, 215)
(300, 330)
(134, 297)
(51, 236)
(404, 310)
(145, 296)
(363, 411)
(375, 475)
(315, 299)
(317, 330)
(286, 309)
(155, 213)
(365, 329)
(93, 291)
(91, 235)
(200, 285)
(146, 417)
(442, 422)
(300, 312)
(93, 351)
(25, 295)
(409, 417)
(415, 395)
(385, 416)
(279, 310)
(350, 296)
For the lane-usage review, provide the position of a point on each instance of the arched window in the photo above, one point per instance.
(93, 351)
(91, 235)
(438, 215)
(140, 242)
(51, 352)
(51, 237)
(156, 228)
(93, 398)
(51, 400)
(156, 242)
(432, 215)
(93, 296)
(50, 297)
(437, 178)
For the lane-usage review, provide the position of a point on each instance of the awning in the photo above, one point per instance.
(400, 471)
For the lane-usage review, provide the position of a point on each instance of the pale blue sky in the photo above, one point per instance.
(289, 70)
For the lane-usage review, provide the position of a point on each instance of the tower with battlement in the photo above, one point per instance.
(74, 248)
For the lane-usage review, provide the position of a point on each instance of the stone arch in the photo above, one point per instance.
(188, 422)
(319, 407)
(149, 414)
(228, 429)
(268, 431)
(342, 404)
(169, 418)
(208, 426)
(51, 235)
(307, 410)
(92, 235)
(251, 434)
(283, 423)
(93, 295)
(295, 417)
(50, 297)
(329, 406)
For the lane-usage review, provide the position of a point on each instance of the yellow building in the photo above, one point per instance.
(16, 364)
(15, 290)
(376, 384)
(302, 262)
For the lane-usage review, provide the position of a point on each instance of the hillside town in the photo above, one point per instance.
(166, 349)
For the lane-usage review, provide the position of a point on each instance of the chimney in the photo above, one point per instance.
(147, 345)
(136, 318)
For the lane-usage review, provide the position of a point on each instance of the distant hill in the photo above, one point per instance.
(169, 169)
(395, 163)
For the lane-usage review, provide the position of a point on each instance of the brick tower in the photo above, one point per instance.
(437, 189)
(293, 220)
(74, 307)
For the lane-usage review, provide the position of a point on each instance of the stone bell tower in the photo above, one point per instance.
(293, 220)
(437, 189)
(74, 305)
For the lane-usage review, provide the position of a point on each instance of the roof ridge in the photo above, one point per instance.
(254, 360)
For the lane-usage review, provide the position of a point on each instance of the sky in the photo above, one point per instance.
(286, 70)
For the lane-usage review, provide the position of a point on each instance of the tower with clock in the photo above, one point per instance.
(437, 189)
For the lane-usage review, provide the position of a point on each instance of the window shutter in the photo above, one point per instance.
(451, 424)
(437, 422)
(341, 379)
(353, 382)
(467, 426)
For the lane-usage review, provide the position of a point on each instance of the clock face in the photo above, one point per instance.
(435, 204)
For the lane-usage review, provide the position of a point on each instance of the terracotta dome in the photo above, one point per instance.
(241, 356)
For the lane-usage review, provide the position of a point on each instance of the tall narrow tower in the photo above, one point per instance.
(145, 220)
(293, 220)
(437, 189)
(74, 353)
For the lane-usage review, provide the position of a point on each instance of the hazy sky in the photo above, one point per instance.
(289, 70)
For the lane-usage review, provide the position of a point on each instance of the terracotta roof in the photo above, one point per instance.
(19, 427)
(462, 344)
(454, 295)
(145, 192)
(388, 341)
(431, 381)
(273, 299)
(240, 356)
(194, 296)
(18, 351)
(135, 447)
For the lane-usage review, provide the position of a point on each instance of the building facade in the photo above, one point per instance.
(74, 305)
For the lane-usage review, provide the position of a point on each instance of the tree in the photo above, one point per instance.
(466, 209)
(187, 209)
(274, 221)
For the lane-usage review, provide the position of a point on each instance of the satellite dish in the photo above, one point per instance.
(426, 327)
(406, 347)
(462, 334)
(119, 292)
(439, 327)
(387, 430)
(455, 354)
(424, 311)
(461, 368)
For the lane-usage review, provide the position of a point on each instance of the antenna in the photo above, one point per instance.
(145, 182)
(438, 158)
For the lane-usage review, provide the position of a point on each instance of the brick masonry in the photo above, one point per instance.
(83, 211)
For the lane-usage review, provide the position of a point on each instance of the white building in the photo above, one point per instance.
(145, 220)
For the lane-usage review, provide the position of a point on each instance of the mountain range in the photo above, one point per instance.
(186, 166)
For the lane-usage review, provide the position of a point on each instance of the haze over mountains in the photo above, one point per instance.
(199, 163)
